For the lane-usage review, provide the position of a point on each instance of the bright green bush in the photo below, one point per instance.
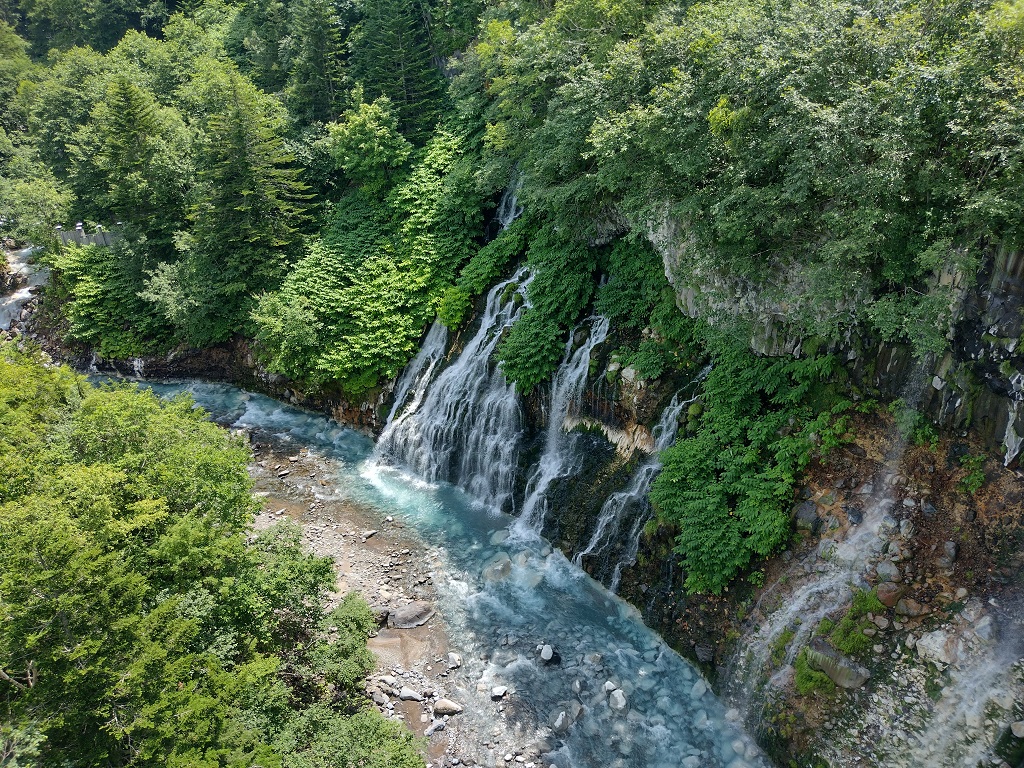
(728, 488)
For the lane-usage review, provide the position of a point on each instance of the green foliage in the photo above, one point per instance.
(781, 644)
(99, 291)
(352, 310)
(315, 85)
(391, 57)
(848, 634)
(483, 268)
(366, 145)
(728, 488)
(809, 681)
(246, 217)
(141, 625)
(913, 425)
(975, 469)
(562, 286)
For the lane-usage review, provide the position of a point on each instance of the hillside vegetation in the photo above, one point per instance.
(321, 176)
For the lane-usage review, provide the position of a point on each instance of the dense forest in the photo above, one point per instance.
(321, 176)
(144, 622)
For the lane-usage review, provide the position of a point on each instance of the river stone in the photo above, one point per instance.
(889, 594)
(413, 615)
(909, 607)
(446, 707)
(499, 537)
(887, 570)
(842, 671)
(498, 567)
(559, 721)
(408, 694)
(1017, 729)
(806, 515)
(617, 700)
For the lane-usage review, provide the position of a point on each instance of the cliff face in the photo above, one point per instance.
(978, 384)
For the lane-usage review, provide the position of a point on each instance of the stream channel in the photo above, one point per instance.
(614, 695)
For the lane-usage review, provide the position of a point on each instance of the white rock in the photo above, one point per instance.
(1017, 729)
(547, 653)
(617, 700)
(454, 660)
(498, 692)
(408, 694)
(447, 707)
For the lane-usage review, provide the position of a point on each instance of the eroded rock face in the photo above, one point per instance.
(940, 647)
(842, 671)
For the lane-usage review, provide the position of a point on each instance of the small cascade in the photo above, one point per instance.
(508, 207)
(559, 459)
(29, 276)
(418, 372)
(466, 426)
(618, 506)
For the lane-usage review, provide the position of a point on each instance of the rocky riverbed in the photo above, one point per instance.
(418, 675)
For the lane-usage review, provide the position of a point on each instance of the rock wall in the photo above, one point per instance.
(978, 384)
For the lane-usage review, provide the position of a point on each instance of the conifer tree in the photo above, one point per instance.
(391, 57)
(317, 65)
(246, 222)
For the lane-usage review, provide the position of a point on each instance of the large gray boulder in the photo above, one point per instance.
(412, 615)
(842, 671)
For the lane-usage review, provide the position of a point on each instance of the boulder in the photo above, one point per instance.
(454, 660)
(408, 694)
(1017, 729)
(948, 557)
(498, 567)
(842, 671)
(559, 720)
(498, 692)
(911, 608)
(806, 516)
(939, 647)
(446, 707)
(889, 593)
(887, 570)
(412, 615)
(617, 700)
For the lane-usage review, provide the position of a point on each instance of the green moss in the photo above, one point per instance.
(847, 636)
(809, 680)
(780, 645)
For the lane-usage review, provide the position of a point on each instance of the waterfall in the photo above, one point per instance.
(466, 429)
(616, 509)
(417, 373)
(508, 208)
(559, 459)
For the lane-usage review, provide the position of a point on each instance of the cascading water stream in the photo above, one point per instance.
(616, 508)
(466, 430)
(559, 459)
(32, 275)
(508, 207)
(417, 375)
